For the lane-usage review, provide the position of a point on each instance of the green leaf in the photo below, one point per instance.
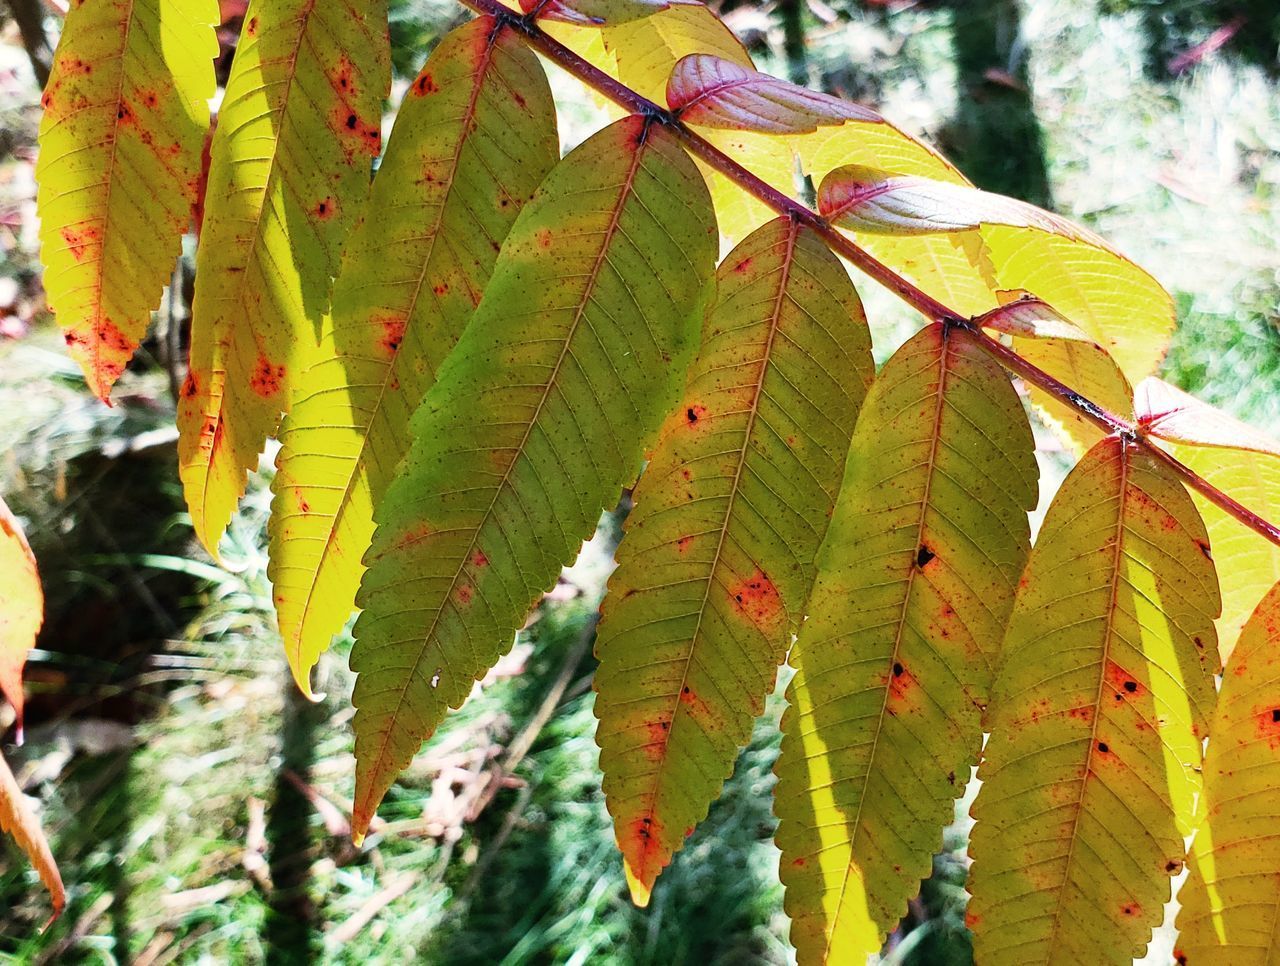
(719, 551)
(1097, 720)
(299, 127)
(893, 664)
(540, 415)
(474, 137)
(125, 115)
(1229, 912)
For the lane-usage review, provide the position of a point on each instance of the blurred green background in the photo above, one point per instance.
(196, 805)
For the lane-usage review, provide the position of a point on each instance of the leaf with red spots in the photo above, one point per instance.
(1097, 718)
(536, 420)
(1229, 912)
(1243, 462)
(718, 556)
(894, 662)
(467, 151)
(21, 609)
(125, 114)
(299, 128)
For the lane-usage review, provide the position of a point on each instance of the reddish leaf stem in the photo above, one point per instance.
(927, 305)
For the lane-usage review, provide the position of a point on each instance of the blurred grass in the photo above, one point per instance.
(182, 837)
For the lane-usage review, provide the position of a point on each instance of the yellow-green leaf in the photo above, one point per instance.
(893, 664)
(1012, 246)
(1230, 912)
(1097, 719)
(125, 114)
(474, 137)
(537, 418)
(21, 609)
(299, 128)
(719, 551)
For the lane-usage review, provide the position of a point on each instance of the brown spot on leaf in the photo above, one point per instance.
(392, 332)
(693, 414)
(267, 379)
(424, 85)
(326, 209)
(1204, 549)
(251, 28)
(923, 556)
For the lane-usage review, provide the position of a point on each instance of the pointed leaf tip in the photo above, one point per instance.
(641, 892)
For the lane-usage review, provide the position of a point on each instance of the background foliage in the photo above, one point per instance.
(162, 727)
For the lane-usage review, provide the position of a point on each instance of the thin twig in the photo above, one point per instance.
(528, 31)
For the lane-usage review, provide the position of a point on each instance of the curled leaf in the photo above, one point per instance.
(1168, 413)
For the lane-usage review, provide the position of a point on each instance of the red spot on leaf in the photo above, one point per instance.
(326, 209)
(1269, 726)
(82, 241)
(1131, 909)
(544, 238)
(1081, 713)
(251, 28)
(902, 684)
(190, 386)
(424, 85)
(440, 288)
(682, 545)
(267, 379)
(758, 599)
(743, 266)
(303, 505)
(478, 559)
(800, 862)
(972, 919)
(694, 414)
(392, 332)
(464, 594)
(342, 77)
(657, 745)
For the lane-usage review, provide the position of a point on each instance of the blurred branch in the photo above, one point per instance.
(29, 15)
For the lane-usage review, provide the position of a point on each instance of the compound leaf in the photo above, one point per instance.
(537, 418)
(474, 137)
(1097, 719)
(125, 114)
(299, 127)
(719, 551)
(1229, 912)
(893, 664)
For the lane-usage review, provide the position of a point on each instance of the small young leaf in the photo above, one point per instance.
(17, 819)
(719, 551)
(21, 609)
(1229, 912)
(893, 664)
(536, 420)
(1096, 721)
(710, 92)
(125, 114)
(1168, 413)
(299, 128)
(1008, 245)
(474, 137)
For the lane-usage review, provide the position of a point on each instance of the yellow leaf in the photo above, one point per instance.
(21, 608)
(474, 137)
(299, 128)
(17, 819)
(125, 115)
(1022, 247)
(1097, 719)
(894, 662)
(1229, 910)
(719, 551)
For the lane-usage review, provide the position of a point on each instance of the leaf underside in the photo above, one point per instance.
(299, 127)
(474, 137)
(536, 420)
(893, 664)
(1229, 911)
(1097, 720)
(125, 115)
(719, 550)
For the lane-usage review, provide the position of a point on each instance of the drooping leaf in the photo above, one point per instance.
(21, 609)
(474, 137)
(537, 418)
(597, 12)
(893, 664)
(719, 551)
(299, 127)
(125, 113)
(1229, 911)
(18, 820)
(1097, 720)
(1012, 245)
(1239, 460)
